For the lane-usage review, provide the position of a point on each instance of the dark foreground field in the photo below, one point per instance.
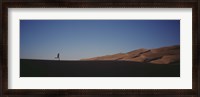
(52, 68)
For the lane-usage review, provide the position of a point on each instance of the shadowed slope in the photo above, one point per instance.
(53, 68)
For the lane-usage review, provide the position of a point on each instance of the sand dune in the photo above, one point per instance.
(163, 55)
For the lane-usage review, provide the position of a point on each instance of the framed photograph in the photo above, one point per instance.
(100, 48)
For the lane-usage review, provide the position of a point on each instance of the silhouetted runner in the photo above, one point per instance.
(58, 56)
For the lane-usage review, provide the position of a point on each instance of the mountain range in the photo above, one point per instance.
(162, 55)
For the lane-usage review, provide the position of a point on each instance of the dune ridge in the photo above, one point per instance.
(162, 55)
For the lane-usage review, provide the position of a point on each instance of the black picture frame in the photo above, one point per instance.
(194, 4)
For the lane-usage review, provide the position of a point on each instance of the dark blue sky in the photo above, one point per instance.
(77, 39)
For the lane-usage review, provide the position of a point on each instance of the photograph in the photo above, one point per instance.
(100, 48)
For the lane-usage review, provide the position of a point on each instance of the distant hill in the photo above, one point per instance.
(163, 55)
